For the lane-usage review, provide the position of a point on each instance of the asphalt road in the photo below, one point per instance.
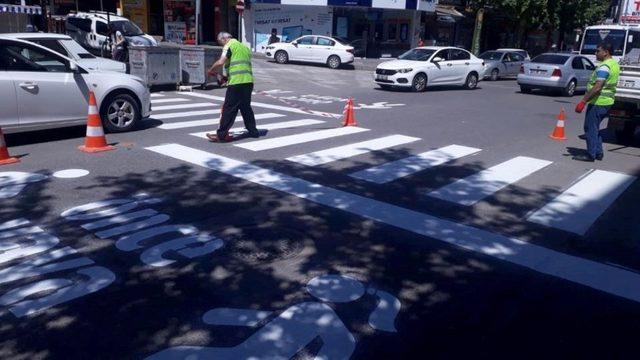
(454, 227)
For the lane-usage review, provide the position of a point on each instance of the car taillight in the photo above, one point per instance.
(521, 69)
(350, 51)
(557, 73)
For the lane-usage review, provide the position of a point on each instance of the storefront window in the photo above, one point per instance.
(180, 21)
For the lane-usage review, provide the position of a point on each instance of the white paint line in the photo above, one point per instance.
(156, 95)
(264, 105)
(602, 277)
(476, 187)
(283, 141)
(404, 167)
(185, 114)
(70, 173)
(274, 126)
(165, 101)
(182, 106)
(209, 122)
(578, 207)
(346, 151)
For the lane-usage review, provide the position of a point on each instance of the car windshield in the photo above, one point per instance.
(491, 55)
(127, 28)
(76, 49)
(594, 37)
(417, 54)
(550, 59)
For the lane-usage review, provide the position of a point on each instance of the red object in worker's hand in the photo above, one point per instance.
(580, 106)
(212, 73)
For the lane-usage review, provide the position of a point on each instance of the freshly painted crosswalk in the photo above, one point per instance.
(272, 126)
(210, 122)
(182, 106)
(166, 101)
(606, 278)
(283, 141)
(157, 95)
(404, 167)
(347, 151)
(578, 207)
(185, 114)
(476, 187)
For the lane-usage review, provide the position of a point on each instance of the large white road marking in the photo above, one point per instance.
(404, 167)
(606, 278)
(181, 106)
(283, 141)
(578, 207)
(346, 151)
(165, 101)
(474, 188)
(273, 126)
(209, 122)
(185, 114)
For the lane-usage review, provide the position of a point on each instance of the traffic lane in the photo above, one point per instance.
(150, 309)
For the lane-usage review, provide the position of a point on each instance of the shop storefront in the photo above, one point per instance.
(374, 27)
(18, 17)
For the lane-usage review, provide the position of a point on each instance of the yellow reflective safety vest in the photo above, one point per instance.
(608, 95)
(239, 65)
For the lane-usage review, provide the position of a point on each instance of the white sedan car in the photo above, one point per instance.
(312, 48)
(430, 66)
(42, 89)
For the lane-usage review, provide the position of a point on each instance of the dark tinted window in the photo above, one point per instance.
(444, 54)
(517, 57)
(417, 55)
(306, 40)
(594, 37)
(550, 59)
(53, 45)
(325, 42)
(457, 54)
(80, 24)
(491, 55)
(577, 64)
(588, 65)
(26, 58)
(102, 28)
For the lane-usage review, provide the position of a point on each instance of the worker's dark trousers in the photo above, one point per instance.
(594, 116)
(238, 97)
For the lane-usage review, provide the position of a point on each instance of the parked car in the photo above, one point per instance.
(426, 66)
(92, 30)
(312, 48)
(500, 64)
(65, 45)
(358, 45)
(524, 53)
(43, 89)
(558, 72)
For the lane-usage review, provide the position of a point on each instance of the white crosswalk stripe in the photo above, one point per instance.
(404, 167)
(185, 114)
(182, 106)
(476, 187)
(156, 95)
(346, 151)
(603, 277)
(283, 141)
(208, 122)
(578, 207)
(273, 126)
(166, 101)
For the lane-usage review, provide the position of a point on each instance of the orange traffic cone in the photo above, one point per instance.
(5, 159)
(95, 140)
(558, 131)
(349, 116)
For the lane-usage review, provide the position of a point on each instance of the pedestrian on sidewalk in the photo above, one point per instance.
(236, 59)
(600, 96)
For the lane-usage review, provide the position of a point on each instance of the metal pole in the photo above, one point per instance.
(101, 6)
(198, 14)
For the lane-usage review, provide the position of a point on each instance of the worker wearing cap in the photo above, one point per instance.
(236, 58)
(600, 96)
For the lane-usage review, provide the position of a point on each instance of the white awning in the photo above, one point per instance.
(19, 9)
(448, 11)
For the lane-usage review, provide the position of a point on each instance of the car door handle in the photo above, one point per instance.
(449, 64)
(28, 85)
(466, 63)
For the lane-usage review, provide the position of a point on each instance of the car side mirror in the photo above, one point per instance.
(437, 59)
(73, 67)
(294, 43)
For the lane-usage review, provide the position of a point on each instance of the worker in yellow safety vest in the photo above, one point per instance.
(236, 59)
(600, 96)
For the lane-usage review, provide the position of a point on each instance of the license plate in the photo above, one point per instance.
(382, 77)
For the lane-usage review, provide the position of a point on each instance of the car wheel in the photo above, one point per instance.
(120, 113)
(419, 83)
(472, 81)
(333, 62)
(281, 57)
(525, 89)
(495, 74)
(570, 89)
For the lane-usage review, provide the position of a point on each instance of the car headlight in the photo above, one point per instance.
(270, 47)
(403, 71)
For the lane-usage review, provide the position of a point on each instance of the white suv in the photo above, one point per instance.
(43, 89)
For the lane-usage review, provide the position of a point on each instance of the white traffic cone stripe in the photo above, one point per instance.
(95, 131)
(560, 123)
(93, 110)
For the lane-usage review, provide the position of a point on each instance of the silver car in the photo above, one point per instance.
(567, 73)
(500, 64)
(42, 89)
